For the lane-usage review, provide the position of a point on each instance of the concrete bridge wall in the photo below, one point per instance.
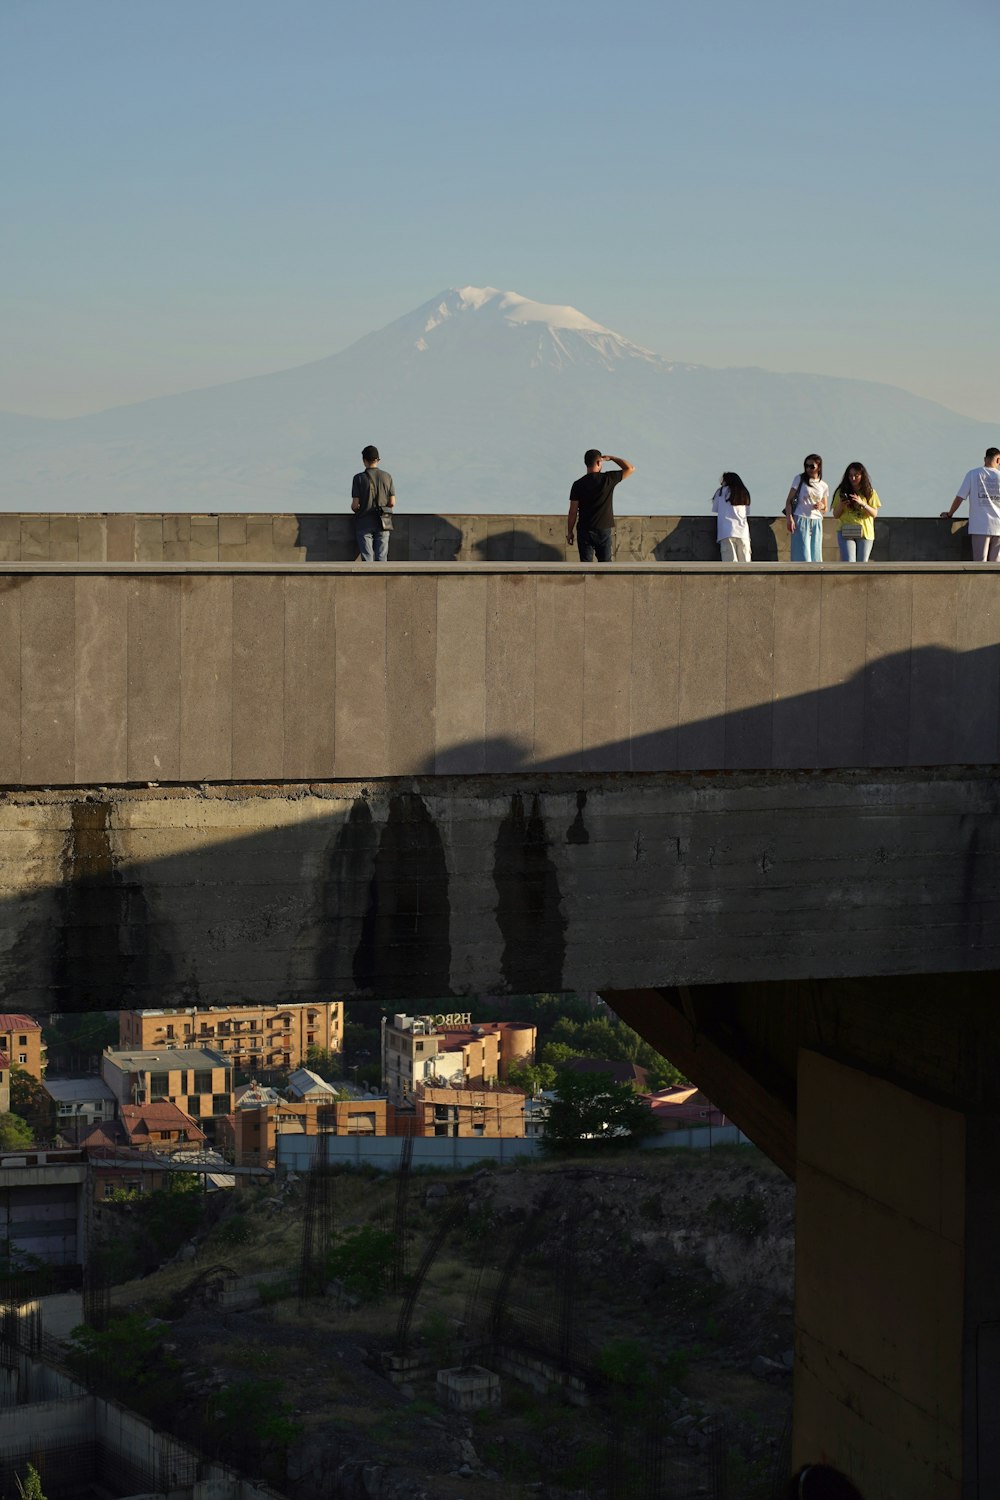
(181, 672)
(263, 537)
(438, 780)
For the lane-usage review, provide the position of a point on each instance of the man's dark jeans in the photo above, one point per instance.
(593, 542)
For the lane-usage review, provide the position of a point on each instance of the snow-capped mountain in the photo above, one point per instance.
(482, 400)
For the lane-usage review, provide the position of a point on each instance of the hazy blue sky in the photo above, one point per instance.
(197, 190)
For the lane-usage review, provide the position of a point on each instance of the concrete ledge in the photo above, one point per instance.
(478, 569)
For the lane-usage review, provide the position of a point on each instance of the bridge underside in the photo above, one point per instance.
(425, 888)
(878, 1095)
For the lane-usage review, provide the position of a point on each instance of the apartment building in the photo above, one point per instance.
(251, 1131)
(21, 1043)
(449, 1048)
(469, 1112)
(198, 1080)
(80, 1104)
(253, 1036)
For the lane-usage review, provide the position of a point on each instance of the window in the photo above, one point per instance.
(159, 1085)
(479, 1130)
(419, 1046)
(22, 1057)
(22, 1041)
(170, 1031)
(203, 1083)
(204, 1028)
(220, 1104)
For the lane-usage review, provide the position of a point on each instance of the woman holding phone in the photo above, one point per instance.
(855, 504)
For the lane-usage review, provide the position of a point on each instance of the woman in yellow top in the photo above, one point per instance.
(855, 504)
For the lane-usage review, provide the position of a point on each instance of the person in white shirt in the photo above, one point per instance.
(730, 503)
(805, 506)
(981, 487)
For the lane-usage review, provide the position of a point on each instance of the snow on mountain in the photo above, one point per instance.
(483, 400)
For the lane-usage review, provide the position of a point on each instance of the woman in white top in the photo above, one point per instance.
(805, 506)
(730, 503)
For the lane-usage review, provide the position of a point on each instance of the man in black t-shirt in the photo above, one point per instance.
(591, 507)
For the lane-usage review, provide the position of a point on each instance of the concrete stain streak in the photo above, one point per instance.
(529, 909)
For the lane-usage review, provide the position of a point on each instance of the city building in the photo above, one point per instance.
(448, 1048)
(255, 1037)
(21, 1043)
(680, 1108)
(251, 1132)
(4, 1084)
(80, 1104)
(468, 1112)
(159, 1127)
(198, 1080)
(307, 1087)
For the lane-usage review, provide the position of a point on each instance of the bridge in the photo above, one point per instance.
(753, 807)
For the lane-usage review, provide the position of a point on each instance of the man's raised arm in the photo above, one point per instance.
(623, 464)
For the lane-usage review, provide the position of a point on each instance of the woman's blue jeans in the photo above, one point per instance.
(807, 539)
(854, 548)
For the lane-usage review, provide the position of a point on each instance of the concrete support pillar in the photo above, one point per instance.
(880, 1285)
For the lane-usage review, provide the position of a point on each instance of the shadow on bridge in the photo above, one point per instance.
(497, 867)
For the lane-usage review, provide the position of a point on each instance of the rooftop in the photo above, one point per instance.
(140, 1120)
(182, 1058)
(305, 1081)
(16, 1021)
(70, 1090)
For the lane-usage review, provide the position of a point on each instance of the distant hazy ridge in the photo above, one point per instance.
(482, 401)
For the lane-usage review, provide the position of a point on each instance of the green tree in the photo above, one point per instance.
(127, 1353)
(323, 1062)
(531, 1077)
(609, 1038)
(590, 1109)
(30, 1487)
(361, 1261)
(74, 1039)
(251, 1416)
(15, 1133)
(29, 1100)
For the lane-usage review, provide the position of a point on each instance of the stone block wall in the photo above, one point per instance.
(272, 538)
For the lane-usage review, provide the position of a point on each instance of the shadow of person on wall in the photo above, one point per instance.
(692, 539)
(424, 537)
(519, 546)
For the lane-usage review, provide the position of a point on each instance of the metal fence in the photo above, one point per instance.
(295, 1153)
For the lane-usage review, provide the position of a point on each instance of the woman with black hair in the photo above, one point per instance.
(855, 504)
(730, 503)
(805, 506)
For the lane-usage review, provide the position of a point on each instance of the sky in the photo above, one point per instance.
(200, 190)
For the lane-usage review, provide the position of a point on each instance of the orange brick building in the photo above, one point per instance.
(469, 1113)
(254, 1036)
(251, 1133)
(21, 1043)
(449, 1048)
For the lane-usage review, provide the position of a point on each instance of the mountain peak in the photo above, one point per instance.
(514, 308)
